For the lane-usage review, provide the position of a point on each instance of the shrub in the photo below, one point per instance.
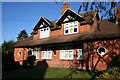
(113, 71)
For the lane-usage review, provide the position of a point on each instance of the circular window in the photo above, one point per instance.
(19, 53)
(101, 50)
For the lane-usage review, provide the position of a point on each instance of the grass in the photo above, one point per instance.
(58, 73)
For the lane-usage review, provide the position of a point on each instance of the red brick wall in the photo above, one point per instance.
(112, 49)
(84, 28)
(60, 32)
(36, 36)
(56, 61)
(23, 51)
(57, 32)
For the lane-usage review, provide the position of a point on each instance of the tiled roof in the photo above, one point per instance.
(24, 43)
(100, 30)
(84, 17)
(89, 16)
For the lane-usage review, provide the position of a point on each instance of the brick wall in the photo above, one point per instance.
(20, 57)
(84, 28)
(36, 36)
(112, 49)
(60, 32)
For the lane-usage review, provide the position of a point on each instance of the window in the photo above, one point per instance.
(46, 54)
(19, 53)
(36, 53)
(30, 52)
(101, 50)
(44, 32)
(80, 54)
(71, 28)
(66, 54)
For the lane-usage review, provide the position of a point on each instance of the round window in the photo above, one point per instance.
(19, 53)
(101, 50)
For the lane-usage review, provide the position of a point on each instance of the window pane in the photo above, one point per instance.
(66, 27)
(30, 52)
(44, 32)
(44, 29)
(42, 55)
(75, 25)
(37, 54)
(75, 22)
(66, 31)
(80, 55)
(66, 54)
(47, 28)
(71, 30)
(75, 29)
(47, 55)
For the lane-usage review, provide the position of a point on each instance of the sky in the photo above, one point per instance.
(18, 16)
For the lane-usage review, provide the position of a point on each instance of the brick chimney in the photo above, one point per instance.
(65, 6)
(117, 15)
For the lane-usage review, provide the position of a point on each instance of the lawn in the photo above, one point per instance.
(48, 73)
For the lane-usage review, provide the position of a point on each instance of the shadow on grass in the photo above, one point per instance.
(13, 70)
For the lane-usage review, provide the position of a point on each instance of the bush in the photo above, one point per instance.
(113, 71)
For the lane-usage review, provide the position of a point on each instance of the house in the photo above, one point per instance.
(81, 39)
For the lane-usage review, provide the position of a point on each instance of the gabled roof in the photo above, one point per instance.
(70, 12)
(103, 29)
(42, 19)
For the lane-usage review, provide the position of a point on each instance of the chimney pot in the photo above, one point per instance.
(65, 6)
(117, 15)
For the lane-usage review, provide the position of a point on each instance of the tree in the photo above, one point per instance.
(7, 46)
(105, 9)
(22, 35)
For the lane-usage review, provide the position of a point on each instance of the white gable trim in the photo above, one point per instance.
(46, 20)
(40, 19)
(66, 11)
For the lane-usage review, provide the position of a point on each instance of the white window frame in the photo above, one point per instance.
(64, 54)
(37, 53)
(102, 52)
(46, 54)
(19, 53)
(70, 26)
(45, 32)
(80, 55)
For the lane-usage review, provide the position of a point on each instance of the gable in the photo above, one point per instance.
(69, 15)
(43, 22)
(69, 18)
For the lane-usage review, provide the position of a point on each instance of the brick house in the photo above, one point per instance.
(80, 39)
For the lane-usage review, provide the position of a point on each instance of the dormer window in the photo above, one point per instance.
(71, 27)
(44, 32)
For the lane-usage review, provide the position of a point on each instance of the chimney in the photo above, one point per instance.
(117, 15)
(65, 6)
